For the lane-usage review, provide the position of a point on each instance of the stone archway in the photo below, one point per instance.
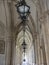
(29, 51)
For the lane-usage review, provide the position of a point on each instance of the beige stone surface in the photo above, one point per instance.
(36, 33)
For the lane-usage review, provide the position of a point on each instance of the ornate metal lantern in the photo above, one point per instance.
(23, 9)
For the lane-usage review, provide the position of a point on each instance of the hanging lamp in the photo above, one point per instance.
(23, 9)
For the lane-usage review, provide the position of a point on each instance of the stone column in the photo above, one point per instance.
(46, 38)
(7, 32)
(36, 41)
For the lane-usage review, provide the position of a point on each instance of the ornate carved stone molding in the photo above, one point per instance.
(43, 16)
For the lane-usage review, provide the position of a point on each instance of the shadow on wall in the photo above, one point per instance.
(2, 34)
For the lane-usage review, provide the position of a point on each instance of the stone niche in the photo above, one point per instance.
(2, 46)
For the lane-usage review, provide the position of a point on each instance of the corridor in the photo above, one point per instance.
(24, 32)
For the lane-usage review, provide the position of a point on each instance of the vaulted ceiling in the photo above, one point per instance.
(11, 19)
(31, 20)
(11, 25)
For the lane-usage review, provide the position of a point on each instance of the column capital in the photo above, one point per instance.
(43, 16)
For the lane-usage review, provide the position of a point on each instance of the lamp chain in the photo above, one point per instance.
(23, 30)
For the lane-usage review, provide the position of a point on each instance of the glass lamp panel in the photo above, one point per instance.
(26, 9)
(25, 14)
(23, 9)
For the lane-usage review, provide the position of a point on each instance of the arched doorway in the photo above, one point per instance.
(29, 55)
